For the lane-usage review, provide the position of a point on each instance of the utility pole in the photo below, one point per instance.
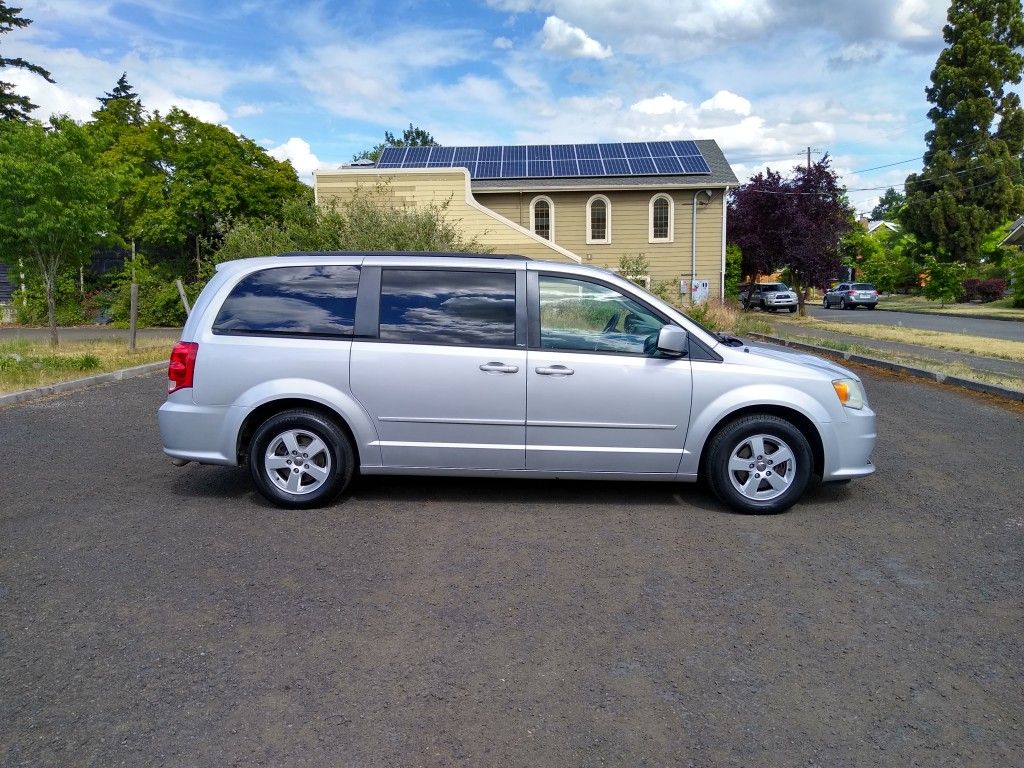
(808, 158)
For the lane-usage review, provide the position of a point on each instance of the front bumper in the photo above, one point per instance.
(849, 446)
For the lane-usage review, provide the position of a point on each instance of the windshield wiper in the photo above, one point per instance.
(730, 341)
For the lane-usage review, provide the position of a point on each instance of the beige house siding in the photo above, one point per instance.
(415, 187)
(630, 229)
(500, 221)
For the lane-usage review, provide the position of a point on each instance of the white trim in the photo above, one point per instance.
(587, 188)
(671, 219)
(551, 217)
(607, 221)
(470, 200)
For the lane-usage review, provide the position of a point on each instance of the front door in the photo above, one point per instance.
(600, 398)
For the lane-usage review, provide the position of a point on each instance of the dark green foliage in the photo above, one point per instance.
(889, 205)
(159, 302)
(121, 105)
(1017, 280)
(944, 281)
(30, 307)
(412, 136)
(971, 181)
(13, 106)
(733, 271)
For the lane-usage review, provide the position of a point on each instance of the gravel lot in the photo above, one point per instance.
(151, 615)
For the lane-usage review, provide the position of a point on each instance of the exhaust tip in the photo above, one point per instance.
(179, 462)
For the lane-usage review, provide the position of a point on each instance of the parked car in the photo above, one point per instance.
(769, 297)
(310, 367)
(850, 296)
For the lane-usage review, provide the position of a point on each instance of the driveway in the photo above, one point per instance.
(151, 615)
(994, 329)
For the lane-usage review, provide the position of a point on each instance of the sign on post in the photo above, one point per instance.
(698, 292)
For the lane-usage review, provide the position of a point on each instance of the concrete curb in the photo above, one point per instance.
(941, 378)
(969, 315)
(80, 384)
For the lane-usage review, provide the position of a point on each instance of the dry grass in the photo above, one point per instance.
(955, 342)
(26, 365)
(950, 369)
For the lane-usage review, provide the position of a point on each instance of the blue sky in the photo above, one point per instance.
(315, 82)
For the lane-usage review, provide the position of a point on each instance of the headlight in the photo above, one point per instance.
(850, 392)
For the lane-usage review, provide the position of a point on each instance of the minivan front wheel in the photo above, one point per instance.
(299, 459)
(759, 464)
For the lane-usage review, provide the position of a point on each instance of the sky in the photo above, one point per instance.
(317, 81)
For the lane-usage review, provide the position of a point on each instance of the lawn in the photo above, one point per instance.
(900, 303)
(26, 365)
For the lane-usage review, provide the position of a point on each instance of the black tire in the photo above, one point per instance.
(334, 460)
(825, 304)
(733, 440)
(843, 304)
(792, 309)
(871, 306)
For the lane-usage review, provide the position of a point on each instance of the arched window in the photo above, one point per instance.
(599, 219)
(662, 219)
(542, 217)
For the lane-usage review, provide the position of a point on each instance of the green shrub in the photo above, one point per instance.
(159, 302)
(30, 306)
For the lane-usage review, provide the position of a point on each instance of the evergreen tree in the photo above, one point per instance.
(13, 106)
(889, 205)
(971, 180)
(121, 105)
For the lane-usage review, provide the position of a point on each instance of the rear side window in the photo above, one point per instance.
(435, 306)
(292, 301)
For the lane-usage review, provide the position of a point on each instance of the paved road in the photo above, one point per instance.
(994, 329)
(151, 615)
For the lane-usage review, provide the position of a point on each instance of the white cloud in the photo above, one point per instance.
(659, 105)
(726, 101)
(247, 110)
(301, 156)
(563, 38)
(503, 43)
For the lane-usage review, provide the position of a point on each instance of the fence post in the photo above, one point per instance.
(184, 298)
(133, 319)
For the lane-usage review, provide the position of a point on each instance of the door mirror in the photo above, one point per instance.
(672, 340)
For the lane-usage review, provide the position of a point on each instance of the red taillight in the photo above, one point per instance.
(182, 366)
(850, 293)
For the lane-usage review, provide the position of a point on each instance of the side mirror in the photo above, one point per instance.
(672, 340)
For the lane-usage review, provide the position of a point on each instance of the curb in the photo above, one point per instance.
(921, 373)
(76, 385)
(971, 316)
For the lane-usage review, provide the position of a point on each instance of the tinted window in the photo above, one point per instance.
(863, 287)
(583, 316)
(772, 287)
(448, 307)
(315, 301)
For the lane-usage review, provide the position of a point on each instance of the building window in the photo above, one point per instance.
(662, 219)
(599, 219)
(542, 217)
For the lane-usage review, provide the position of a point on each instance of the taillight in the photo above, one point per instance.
(851, 293)
(182, 366)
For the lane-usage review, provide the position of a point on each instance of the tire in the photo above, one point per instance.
(736, 447)
(871, 306)
(325, 473)
(792, 309)
(825, 304)
(843, 304)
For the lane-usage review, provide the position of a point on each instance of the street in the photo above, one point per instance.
(154, 615)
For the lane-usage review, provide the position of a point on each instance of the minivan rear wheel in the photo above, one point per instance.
(759, 464)
(300, 459)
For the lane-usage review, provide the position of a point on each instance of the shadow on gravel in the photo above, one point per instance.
(213, 482)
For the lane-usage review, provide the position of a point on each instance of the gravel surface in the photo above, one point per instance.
(151, 615)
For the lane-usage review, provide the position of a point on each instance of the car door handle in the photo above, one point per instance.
(556, 370)
(499, 368)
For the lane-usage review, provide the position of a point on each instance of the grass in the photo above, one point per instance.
(26, 365)
(955, 342)
(950, 369)
(1001, 308)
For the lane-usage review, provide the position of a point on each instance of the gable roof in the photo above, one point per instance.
(1016, 234)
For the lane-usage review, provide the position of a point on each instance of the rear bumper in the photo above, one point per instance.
(188, 431)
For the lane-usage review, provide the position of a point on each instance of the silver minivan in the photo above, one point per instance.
(309, 367)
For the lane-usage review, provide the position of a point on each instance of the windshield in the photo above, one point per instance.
(774, 287)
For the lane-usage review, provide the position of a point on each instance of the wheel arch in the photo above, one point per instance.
(266, 410)
(795, 417)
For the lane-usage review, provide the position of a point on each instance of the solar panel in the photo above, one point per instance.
(639, 158)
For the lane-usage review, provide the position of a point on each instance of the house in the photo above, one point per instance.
(586, 203)
(1016, 234)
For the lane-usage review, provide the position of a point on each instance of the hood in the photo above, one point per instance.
(799, 358)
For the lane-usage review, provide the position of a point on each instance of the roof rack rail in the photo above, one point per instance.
(407, 254)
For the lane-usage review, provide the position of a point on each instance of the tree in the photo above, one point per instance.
(411, 137)
(889, 205)
(945, 280)
(52, 199)
(121, 106)
(971, 180)
(794, 223)
(13, 106)
(370, 220)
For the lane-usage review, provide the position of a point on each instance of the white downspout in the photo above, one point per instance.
(693, 234)
(725, 212)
